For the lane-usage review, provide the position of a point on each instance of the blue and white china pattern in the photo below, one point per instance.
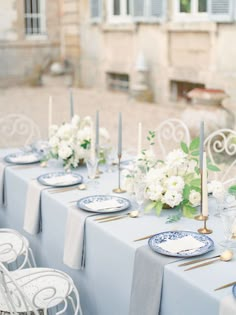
(22, 158)
(59, 179)
(159, 238)
(84, 203)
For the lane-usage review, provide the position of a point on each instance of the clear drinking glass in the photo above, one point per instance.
(139, 194)
(228, 217)
(91, 169)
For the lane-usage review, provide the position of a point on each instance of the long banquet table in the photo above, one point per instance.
(106, 282)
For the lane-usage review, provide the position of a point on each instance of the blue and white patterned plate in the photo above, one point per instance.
(22, 158)
(122, 203)
(60, 179)
(159, 238)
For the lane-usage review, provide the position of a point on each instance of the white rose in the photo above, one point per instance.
(175, 183)
(64, 151)
(75, 121)
(54, 141)
(154, 191)
(172, 198)
(195, 198)
(218, 190)
(65, 132)
(176, 158)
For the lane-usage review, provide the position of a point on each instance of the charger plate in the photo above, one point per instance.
(60, 179)
(159, 238)
(86, 202)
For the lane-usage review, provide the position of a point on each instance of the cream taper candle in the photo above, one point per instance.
(139, 137)
(49, 113)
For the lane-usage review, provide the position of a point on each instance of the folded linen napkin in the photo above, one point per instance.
(228, 305)
(147, 281)
(3, 199)
(104, 204)
(185, 243)
(32, 218)
(24, 158)
(74, 244)
(59, 180)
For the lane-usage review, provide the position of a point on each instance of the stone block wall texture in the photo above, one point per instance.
(22, 57)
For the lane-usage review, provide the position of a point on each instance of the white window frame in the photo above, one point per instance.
(118, 19)
(42, 16)
(193, 16)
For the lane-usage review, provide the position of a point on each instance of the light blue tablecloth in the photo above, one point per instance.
(105, 284)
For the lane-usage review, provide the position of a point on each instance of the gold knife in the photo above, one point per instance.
(197, 261)
(144, 238)
(225, 286)
(113, 219)
(106, 217)
(202, 265)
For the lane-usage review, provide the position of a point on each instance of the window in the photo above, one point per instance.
(119, 11)
(35, 17)
(179, 90)
(191, 9)
(95, 10)
(118, 81)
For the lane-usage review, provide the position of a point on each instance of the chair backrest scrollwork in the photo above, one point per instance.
(18, 129)
(170, 133)
(220, 147)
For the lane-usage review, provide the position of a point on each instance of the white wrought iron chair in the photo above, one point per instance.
(170, 133)
(15, 251)
(220, 147)
(18, 129)
(36, 291)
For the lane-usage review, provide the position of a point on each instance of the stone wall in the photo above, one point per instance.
(24, 58)
(199, 52)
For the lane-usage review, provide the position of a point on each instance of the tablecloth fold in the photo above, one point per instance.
(147, 281)
(32, 217)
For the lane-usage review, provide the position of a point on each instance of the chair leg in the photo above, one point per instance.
(32, 258)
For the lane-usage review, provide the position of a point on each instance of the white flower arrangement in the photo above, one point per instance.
(71, 141)
(174, 182)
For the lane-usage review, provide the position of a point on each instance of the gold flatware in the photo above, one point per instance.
(225, 256)
(225, 286)
(106, 217)
(197, 261)
(113, 219)
(131, 214)
(65, 189)
(143, 238)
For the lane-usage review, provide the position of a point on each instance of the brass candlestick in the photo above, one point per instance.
(200, 217)
(205, 230)
(119, 190)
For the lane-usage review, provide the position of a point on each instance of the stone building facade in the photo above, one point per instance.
(179, 44)
(29, 39)
(185, 44)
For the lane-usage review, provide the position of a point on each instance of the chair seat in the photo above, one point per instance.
(40, 286)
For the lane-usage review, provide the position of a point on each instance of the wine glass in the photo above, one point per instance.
(91, 164)
(139, 194)
(228, 217)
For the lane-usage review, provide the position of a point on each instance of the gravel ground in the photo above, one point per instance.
(33, 102)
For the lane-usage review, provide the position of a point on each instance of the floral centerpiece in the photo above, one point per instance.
(174, 182)
(71, 141)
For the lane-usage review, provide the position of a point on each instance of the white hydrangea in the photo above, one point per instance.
(176, 158)
(75, 121)
(216, 188)
(154, 191)
(65, 132)
(64, 151)
(194, 198)
(175, 183)
(172, 198)
(54, 141)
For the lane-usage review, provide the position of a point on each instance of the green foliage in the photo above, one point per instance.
(232, 189)
(85, 144)
(213, 168)
(184, 147)
(158, 207)
(189, 211)
(151, 136)
(194, 145)
(174, 218)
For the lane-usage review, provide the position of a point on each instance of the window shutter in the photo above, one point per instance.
(148, 10)
(221, 10)
(95, 10)
(157, 9)
(138, 10)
